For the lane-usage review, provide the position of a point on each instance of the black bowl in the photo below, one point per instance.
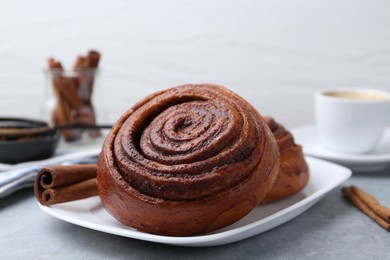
(16, 149)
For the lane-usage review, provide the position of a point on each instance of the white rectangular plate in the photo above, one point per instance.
(324, 176)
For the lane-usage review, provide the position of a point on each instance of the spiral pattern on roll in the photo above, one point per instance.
(187, 142)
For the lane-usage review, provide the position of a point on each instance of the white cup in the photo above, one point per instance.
(352, 120)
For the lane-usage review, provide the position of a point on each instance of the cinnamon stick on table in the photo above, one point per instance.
(63, 183)
(368, 205)
(372, 203)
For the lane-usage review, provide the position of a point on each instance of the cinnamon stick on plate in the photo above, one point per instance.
(63, 183)
(368, 205)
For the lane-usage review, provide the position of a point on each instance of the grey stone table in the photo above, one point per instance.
(332, 229)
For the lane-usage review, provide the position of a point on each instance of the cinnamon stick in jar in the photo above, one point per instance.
(86, 66)
(73, 94)
(62, 113)
(63, 183)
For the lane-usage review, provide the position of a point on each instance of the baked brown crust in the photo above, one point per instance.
(294, 171)
(187, 160)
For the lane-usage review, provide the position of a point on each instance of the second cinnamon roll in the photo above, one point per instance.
(294, 171)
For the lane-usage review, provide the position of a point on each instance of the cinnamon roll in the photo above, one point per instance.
(294, 171)
(186, 161)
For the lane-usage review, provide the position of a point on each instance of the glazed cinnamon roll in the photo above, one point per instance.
(294, 171)
(186, 161)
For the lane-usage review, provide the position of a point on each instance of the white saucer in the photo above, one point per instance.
(379, 159)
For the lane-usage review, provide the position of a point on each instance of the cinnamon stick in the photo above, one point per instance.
(62, 113)
(68, 87)
(65, 116)
(86, 67)
(93, 58)
(55, 176)
(80, 190)
(74, 93)
(56, 184)
(359, 203)
(53, 64)
(372, 203)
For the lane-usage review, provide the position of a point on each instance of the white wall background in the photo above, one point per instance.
(274, 53)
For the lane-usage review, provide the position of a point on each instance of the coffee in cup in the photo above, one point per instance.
(352, 120)
(357, 95)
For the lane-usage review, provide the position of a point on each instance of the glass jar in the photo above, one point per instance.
(71, 104)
